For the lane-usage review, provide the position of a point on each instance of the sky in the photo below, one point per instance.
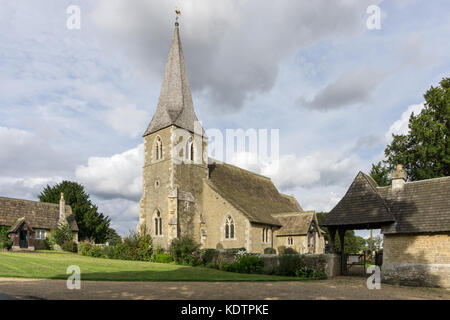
(74, 103)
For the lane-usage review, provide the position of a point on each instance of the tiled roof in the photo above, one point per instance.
(255, 195)
(40, 215)
(175, 106)
(419, 206)
(295, 224)
(361, 205)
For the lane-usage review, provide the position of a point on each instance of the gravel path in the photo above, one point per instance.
(337, 288)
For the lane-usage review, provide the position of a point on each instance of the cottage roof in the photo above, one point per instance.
(253, 194)
(175, 106)
(40, 215)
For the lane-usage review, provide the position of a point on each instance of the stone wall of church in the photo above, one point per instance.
(156, 179)
(215, 212)
(258, 245)
(417, 259)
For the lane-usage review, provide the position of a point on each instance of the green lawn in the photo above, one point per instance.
(54, 265)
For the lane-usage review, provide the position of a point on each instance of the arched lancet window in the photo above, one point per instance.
(158, 148)
(190, 152)
(229, 228)
(158, 224)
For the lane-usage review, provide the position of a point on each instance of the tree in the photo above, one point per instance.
(380, 173)
(425, 150)
(352, 243)
(91, 223)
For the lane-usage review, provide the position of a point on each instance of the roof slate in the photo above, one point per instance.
(255, 195)
(175, 106)
(418, 207)
(295, 224)
(40, 215)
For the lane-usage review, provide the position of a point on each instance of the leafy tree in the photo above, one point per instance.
(352, 243)
(91, 223)
(113, 237)
(425, 150)
(380, 173)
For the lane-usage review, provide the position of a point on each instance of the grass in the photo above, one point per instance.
(47, 265)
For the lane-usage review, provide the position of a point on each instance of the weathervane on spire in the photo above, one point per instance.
(178, 13)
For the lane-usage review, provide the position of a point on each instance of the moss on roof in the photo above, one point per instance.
(253, 194)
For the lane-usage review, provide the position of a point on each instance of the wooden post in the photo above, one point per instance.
(341, 233)
(332, 237)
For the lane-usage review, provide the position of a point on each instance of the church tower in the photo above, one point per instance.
(175, 164)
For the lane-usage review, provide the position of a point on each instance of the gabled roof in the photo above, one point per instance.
(254, 195)
(175, 106)
(361, 205)
(420, 206)
(295, 224)
(18, 224)
(40, 215)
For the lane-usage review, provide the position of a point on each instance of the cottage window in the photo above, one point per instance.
(265, 235)
(290, 241)
(158, 224)
(40, 234)
(229, 228)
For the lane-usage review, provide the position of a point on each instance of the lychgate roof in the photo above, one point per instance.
(40, 215)
(361, 205)
(175, 106)
(255, 195)
(417, 207)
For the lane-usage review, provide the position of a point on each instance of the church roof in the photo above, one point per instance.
(419, 206)
(40, 215)
(175, 106)
(254, 195)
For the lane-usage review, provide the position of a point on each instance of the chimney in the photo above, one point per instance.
(398, 178)
(62, 208)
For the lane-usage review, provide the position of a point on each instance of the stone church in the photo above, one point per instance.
(218, 204)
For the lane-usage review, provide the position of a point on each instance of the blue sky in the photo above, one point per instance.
(74, 103)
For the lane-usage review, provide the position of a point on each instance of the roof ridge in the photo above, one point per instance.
(242, 169)
(35, 201)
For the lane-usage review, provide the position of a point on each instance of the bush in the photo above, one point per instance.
(162, 258)
(95, 251)
(5, 241)
(84, 247)
(70, 246)
(281, 249)
(245, 263)
(62, 234)
(208, 256)
(289, 250)
(269, 251)
(144, 249)
(182, 249)
(305, 272)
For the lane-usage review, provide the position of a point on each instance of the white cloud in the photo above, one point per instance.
(401, 126)
(118, 176)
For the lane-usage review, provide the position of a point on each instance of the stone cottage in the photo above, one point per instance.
(220, 205)
(414, 218)
(29, 222)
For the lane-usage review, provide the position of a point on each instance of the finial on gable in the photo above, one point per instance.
(178, 14)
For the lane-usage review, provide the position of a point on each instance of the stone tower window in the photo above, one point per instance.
(190, 153)
(158, 148)
(229, 228)
(158, 224)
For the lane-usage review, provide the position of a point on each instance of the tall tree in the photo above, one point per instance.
(425, 150)
(91, 223)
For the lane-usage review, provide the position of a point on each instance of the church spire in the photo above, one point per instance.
(175, 106)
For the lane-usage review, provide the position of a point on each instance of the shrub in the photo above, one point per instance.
(194, 259)
(70, 246)
(269, 251)
(305, 272)
(246, 263)
(281, 249)
(182, 249)
(84, 247)
(289, 250)
(144, 249)
(5, 241)
(162, 258)
(208, 256)
(62, 234)
(95, 251)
